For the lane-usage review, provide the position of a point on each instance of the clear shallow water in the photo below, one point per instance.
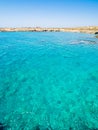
(48, 81)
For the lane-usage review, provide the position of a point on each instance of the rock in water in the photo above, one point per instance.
(96, 32)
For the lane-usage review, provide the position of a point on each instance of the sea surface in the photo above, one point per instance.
(48, 81)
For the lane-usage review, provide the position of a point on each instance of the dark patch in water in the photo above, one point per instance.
(78, 63)
(39, 127)
(93, 77)
(59, 102)
(24, 80)
(1, 126)
(70, 128)
(67, 57)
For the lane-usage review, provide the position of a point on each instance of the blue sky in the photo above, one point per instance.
(48, 13)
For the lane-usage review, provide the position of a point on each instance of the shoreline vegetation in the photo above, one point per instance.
(89, 29)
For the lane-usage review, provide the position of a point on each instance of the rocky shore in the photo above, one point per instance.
(91, 29)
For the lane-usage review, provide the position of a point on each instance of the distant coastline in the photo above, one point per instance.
(90, 29)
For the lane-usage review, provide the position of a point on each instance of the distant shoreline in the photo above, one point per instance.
(90, 29)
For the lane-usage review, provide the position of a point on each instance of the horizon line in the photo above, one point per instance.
(49, 27)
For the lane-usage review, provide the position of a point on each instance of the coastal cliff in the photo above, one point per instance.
(91, 29)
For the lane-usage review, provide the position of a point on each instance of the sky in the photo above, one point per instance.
(48, 13)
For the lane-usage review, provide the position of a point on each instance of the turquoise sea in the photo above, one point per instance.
(48, 81)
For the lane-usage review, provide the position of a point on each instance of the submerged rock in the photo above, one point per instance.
(1, 126)
(40, 127)
(96, 36)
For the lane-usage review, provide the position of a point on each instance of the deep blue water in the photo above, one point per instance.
(48, 81)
